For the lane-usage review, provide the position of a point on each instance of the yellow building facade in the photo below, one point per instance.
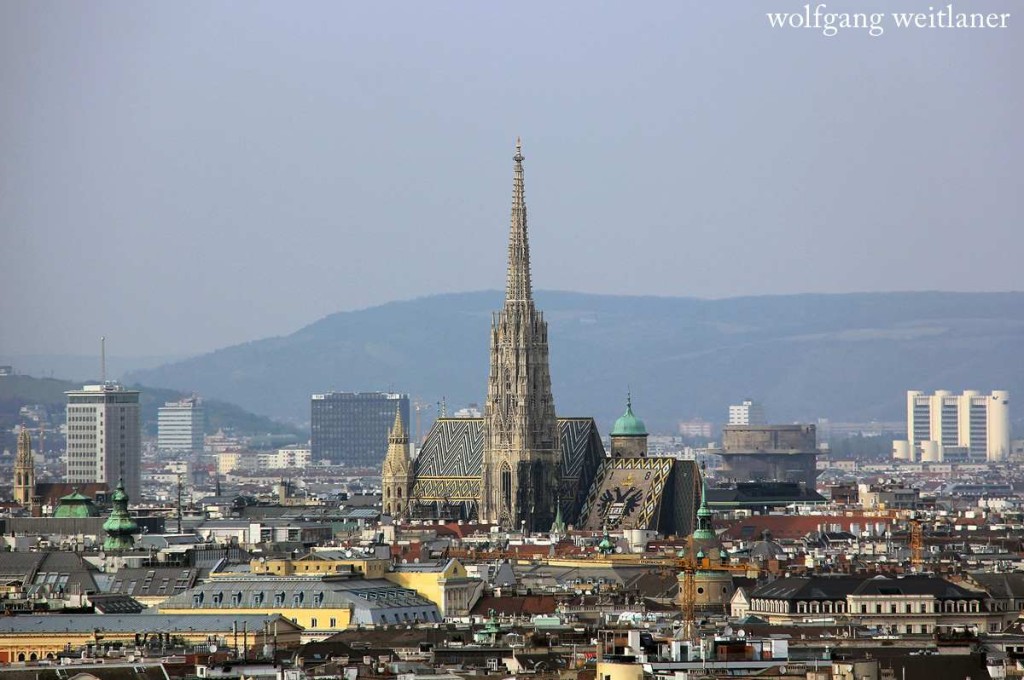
(446, 584)
(33, 638)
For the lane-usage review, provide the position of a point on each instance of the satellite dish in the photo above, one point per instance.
(213, 649)
(741, 633)
(782, 670)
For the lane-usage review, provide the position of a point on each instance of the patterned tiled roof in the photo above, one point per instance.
(449, 464)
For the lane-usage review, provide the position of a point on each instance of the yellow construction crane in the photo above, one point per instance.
(688, 594)
(916, 544)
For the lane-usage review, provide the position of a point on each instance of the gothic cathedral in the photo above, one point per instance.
(521, 447)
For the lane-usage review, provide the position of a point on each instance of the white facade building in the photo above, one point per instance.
(180, 425)
(285, 459)
(748, 413)
(261, 461)
(104, 436)
(975, 425)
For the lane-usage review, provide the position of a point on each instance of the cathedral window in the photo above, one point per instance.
(506, 485)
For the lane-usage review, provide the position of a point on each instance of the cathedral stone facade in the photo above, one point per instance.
(520, 458)
(396, 476)
(520, 466)
(24, 472)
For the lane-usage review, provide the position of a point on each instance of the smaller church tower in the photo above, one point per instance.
(397, 473)
(120, 526)
(24, 471)
(629, 435)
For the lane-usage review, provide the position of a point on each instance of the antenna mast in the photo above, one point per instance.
(103, 359)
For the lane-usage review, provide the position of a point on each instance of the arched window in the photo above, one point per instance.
(398, 491)
(801, 607)
(814, 607)
(387, 492)
(506, 486)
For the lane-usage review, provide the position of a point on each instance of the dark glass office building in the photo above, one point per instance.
(351, 428)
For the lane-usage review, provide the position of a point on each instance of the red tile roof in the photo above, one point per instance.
(792, 526)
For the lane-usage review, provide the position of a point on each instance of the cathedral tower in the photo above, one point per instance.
(397, 475)
(24, 471)
(629, 436)
(521, 453)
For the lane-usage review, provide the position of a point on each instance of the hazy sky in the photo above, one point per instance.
(182, 176)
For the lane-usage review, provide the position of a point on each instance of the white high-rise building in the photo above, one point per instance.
(180, 425)
(975, 424)
(748, 413)
(104, 441)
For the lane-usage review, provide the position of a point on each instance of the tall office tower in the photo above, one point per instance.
(180, 425)
(748, 413)
(104, 436)
(351, 428)
(522, 449)
(975, 425)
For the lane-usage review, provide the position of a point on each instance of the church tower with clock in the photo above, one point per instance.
(521, 447)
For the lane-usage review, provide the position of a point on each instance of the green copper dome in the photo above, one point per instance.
(628, 425)
(76, 505)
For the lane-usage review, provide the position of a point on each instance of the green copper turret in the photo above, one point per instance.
(120, 526)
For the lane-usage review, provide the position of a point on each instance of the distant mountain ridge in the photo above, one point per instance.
(848, 357)
(21, 390)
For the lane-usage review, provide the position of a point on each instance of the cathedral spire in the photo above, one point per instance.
(24, 456)
(24, 471)
(520, 468)
(517, 284)
(397, 434)
(396, 474)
